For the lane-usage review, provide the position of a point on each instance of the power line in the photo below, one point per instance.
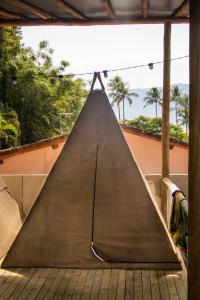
(105, 72)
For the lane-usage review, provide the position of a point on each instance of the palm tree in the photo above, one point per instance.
(153, 96)
(114, 85)
(175, 97)
(120, 91)
(183, 111)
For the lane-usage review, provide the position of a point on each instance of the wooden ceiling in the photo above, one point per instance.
(92, 12)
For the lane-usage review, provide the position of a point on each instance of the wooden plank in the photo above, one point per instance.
(194, 154)
(88, 285)
(121, 284)
(70, 9)
(103, 294)
(55, 284)
(80, 284)
(28, 275)
(47, 284)
(37, 281)
(112, 290)
(9, 291)
(146, 286)
(166, 114)
(163, 285)
(9, 14)
(72, 283)
(29, 289)
(4, 275)
(31, 8)
(105, 21)
(155, 291)
(109, 9)
(30, 284)
(129, 295)
(171, 285)
(182, 10)
(145, 8)
(9, 278)
(180, 286)
(64, 284)
(138, 284)
(96, 285)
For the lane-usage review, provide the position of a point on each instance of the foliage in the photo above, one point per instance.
(38, 97)
(9, 128)
(153, 96)
(119, 92)
(154, 125)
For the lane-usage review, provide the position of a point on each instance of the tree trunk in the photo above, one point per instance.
(118, 111)
(156, 109)
(165, 114)
(176, 113)
(123, 112)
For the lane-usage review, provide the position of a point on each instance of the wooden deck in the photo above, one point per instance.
(26, 283)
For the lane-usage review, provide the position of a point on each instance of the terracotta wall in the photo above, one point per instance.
(148, 154)
(146, 150)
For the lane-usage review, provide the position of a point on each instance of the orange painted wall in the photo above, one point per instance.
(147, 152)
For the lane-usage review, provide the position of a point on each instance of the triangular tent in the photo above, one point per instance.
(94, 192)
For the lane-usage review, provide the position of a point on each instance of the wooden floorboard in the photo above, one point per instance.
(107, 284)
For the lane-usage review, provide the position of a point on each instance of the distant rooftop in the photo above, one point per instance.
(57, 139)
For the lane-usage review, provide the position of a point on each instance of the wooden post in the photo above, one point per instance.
(194, 154)
(165, 114)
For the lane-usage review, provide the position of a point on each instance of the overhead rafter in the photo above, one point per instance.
(70, 9)
(31, 8)
(145, 8)
(92, 22)
(107, 5)
(8, 14)
(182, 10)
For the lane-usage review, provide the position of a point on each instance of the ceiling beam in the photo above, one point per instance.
(182, 10)
(31, 8)
(108, 7)
(92, 22)
(70, 9)
(8, 14)
(145, 8)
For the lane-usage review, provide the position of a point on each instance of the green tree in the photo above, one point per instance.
(39, 92)
(175, 97)
(120, 91)
(153, 96)
(183, 111)
(9, 127)
(154, 125)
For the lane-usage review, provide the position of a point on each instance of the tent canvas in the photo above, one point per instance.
(94, 191)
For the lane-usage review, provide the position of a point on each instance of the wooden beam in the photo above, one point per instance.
(31, 8)
(166, 113)
(194, 154)
(108, 7)
(70, 9)
(182, 10)
(91, 22)
(8, 14)
(145, 8)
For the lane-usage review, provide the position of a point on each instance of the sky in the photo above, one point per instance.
(98, 48)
